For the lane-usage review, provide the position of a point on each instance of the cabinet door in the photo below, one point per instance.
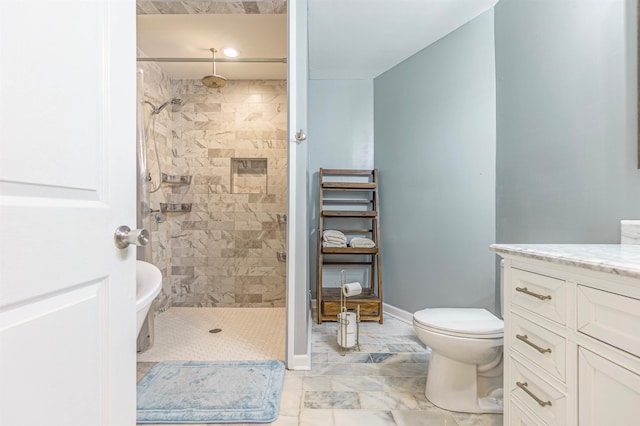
(608, 394)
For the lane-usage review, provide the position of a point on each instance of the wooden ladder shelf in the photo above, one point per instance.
(350, 197)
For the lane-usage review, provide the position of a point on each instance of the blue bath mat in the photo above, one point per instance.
(211, 392)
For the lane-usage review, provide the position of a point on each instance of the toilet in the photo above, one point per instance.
(465, 370)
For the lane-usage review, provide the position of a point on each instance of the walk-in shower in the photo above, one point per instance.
(231, 145)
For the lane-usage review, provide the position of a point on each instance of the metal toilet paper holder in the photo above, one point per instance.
(343, 321)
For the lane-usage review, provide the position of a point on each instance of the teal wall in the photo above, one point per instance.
(566, 120)
(340, 137)
(435, 147)
(528, 134)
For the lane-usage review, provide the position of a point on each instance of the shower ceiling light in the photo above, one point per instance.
(230, 52)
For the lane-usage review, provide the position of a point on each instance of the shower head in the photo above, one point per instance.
(157, 110)
(214, 81)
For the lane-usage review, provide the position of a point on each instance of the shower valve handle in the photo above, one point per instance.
(124, 236)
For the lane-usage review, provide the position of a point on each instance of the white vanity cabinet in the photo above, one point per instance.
(572, 334)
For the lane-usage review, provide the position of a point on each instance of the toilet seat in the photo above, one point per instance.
(460, 322)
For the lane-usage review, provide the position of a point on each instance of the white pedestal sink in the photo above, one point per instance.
(148, 284)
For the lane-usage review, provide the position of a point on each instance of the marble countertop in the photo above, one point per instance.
(619, 259)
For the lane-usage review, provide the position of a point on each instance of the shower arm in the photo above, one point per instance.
(245, 60)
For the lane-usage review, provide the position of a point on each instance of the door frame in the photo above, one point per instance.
(298, 347)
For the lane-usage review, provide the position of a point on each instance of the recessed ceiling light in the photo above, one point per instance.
(230, 52)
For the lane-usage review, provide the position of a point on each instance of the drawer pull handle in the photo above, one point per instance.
(530, 293)
(525, 339)
(524, 385)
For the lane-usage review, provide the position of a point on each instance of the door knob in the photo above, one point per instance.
(300, 136)
(125, 236)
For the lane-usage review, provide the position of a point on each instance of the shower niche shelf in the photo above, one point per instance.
(175, 208)
(176, 179)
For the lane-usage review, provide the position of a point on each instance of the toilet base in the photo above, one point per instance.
(454, 386)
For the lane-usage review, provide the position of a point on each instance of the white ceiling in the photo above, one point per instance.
(361, 39)
(348, 39)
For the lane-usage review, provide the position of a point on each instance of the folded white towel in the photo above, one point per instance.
(331, 244)
(359, 242)
(333, 235)
(335, 240)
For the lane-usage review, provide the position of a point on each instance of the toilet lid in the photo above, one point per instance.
(460, 321)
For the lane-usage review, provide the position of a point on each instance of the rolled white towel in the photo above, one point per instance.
(333, 235)
(331, 244)
(359, 242)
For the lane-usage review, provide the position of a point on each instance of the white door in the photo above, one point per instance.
(298, 319)
(67, 180)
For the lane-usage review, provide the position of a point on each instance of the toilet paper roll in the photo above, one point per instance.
(346, 329)
(351, 289)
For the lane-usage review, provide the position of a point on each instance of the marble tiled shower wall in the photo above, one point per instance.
(223, 253)
(180, 7)
(157, 90)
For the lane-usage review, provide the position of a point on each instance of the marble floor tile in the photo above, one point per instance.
(388, 400)
(357, 383)
(404, 369)
(363, 417)
(290, 402)
(349, 357)
(317, 383)
(318, 357)
(465, 419)
(415, 385)
(322, 417)
(331, 399)
(292, 382)
(401, 357)
(373, 347)
(429, 417)
(403, 347)
(379, 358)
(285, 421)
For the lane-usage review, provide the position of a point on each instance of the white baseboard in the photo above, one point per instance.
(397, 313)
(300, 363)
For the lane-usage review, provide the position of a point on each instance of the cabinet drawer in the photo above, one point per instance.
(543, 347)
(543, 399)
(519, 416)
(543, 295)
(609, 317)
